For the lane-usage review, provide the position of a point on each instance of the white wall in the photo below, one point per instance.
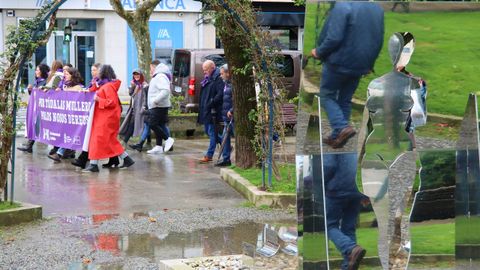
(111, 42)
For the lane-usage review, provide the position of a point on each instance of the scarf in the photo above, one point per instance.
(38, 81)
(205, 80)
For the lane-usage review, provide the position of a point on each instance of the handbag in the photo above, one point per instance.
(418, 113)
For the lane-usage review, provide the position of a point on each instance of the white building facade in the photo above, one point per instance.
(100, 35)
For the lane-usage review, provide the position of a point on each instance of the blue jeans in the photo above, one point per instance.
(336, 92)
(145, 132)
(214, 138)
(227, 148)
(342, 214)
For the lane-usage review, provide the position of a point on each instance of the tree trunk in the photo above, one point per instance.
(243, 98)
(141, 34)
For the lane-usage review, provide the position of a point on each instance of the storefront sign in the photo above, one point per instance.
(60, 118)
(164, 5)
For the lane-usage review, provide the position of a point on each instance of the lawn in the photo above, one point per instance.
(446, 54)
(426, 239)
(7, 205)
(287, 183)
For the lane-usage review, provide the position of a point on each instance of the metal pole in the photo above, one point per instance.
(270, 91)
(20, 73)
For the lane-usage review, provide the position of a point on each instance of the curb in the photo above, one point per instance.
(258, 197)
(180, 264)
(25, 213)
(436, 117)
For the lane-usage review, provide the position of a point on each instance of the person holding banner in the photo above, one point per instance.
(55, 76)
(94, 71)
(104, 141)
(72, 82)
(41, 75)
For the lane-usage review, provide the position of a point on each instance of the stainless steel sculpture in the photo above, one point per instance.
(467, 194)
(388, 166)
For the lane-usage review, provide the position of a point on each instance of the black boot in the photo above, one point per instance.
(69, 154)
(127, 162)
(81, 161)
(28, 148)
(91, 168)
(54, 150)
(112, 162)
(138, 146)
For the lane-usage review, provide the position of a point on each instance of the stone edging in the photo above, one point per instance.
(180, 264)
(25, 213)
(258, 197)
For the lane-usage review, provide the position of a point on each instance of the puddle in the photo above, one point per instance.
(203, 243)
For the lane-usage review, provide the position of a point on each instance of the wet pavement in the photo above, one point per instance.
(166, 206)
(174, 180)
(138, 241)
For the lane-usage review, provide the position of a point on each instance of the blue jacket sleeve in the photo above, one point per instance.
(333, 31)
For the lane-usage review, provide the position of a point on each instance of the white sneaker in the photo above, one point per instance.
(168, 144)
(155, 150)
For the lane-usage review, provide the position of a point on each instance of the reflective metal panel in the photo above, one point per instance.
(467, 195)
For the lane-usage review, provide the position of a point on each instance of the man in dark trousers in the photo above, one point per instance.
(210, 106)
(349, 44)
(343, 203)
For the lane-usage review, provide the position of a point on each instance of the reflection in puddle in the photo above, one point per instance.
(202, 243)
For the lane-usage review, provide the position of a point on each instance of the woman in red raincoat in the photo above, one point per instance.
(106, 121)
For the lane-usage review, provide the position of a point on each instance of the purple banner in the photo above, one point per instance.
(59, 118)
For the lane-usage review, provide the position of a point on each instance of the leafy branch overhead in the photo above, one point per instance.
(20, 44)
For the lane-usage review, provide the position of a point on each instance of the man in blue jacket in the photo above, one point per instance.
(348, 46)
(343, 203)
(210, 105)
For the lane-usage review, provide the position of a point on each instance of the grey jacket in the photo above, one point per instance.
(159, 88)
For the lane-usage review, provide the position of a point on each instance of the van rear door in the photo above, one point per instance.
(181, 72)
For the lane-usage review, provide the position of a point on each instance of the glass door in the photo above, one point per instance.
(84, 55)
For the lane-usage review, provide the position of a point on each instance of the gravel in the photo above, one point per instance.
(60, 243)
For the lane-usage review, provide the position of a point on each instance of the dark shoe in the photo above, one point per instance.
(56, 157)
(68, 154)
(328, 141)
(343, 137)
(28, 148)
(223, 163)
(127, 162)
(112, 162)
(138, 146)
(79, 163)
(91, 168)
(53, 151)
(355, 257)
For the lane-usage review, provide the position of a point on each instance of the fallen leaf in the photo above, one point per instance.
(86, 260)
(152, 219)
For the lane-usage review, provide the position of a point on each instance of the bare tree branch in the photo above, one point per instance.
(48, 32)
(118, 7)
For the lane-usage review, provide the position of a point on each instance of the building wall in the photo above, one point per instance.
(111, 36)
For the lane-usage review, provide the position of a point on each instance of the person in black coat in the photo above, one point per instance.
(210, 105)
(227, 115)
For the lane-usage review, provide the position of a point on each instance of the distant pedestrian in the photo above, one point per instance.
(158, 105)
(133, 122)
(227, 115)
(106, 122)
(210, 105)
(348, 46)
